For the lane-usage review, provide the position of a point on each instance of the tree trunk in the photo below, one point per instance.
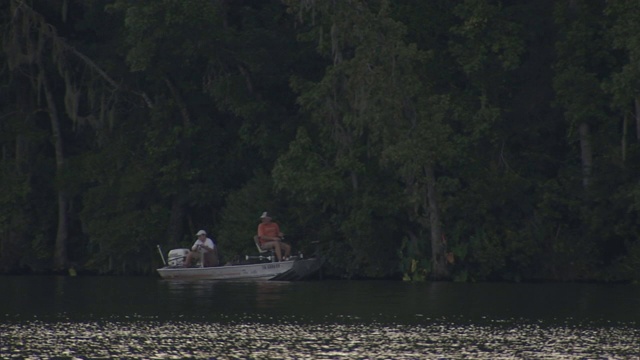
(176, 221)
(637, 106)
(438, 247)
(174, 230)
(623, 142)
(60, 252)
(586, 153)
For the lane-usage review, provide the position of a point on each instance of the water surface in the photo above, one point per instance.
(146, 317)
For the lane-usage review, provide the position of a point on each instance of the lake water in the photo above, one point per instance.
(150, 318)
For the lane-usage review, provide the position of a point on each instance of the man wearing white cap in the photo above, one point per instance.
(270, 237)
(203, 247)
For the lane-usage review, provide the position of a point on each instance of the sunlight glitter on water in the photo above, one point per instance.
(187, 339)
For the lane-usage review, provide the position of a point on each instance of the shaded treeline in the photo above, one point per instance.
(468, 140)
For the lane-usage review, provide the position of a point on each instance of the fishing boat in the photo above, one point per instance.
(261, 267)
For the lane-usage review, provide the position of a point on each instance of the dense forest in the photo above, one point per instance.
(470, 140)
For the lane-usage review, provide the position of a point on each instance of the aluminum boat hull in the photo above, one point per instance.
(284, 270)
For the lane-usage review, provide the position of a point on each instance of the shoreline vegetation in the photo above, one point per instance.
(465, 141)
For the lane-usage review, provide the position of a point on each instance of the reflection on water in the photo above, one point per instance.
(177, 339)
(46, 317)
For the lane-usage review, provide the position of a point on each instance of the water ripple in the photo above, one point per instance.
(145, 339)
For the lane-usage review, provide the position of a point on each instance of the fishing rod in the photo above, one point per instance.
(161, 255)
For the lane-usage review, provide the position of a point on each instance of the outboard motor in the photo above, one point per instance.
(177, 257)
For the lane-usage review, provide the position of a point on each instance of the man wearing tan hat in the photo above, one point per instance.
(270, 237)
(204, 248)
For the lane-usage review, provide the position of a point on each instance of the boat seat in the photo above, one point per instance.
(271, 253)
(260, 250)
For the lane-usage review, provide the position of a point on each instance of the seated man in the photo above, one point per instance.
(270, 237)
(204, 249)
